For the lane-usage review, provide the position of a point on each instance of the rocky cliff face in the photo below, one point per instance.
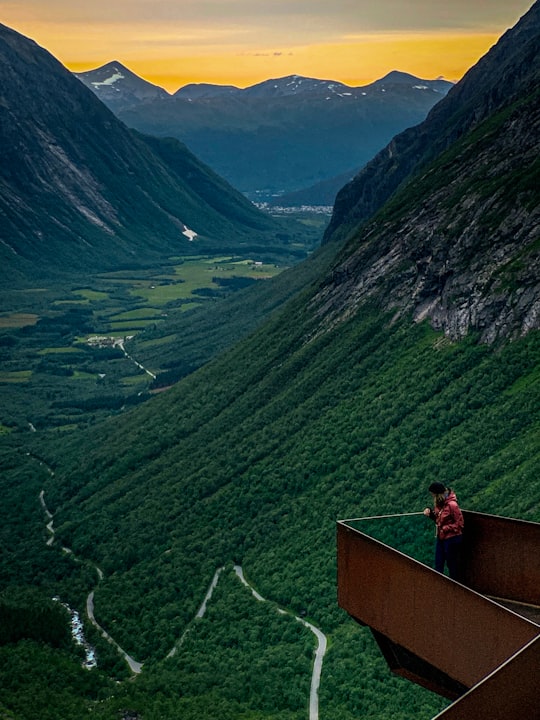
(459, 245)
(459, 242)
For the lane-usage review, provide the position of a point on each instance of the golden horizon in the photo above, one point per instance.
(427, 56)
(243, 42)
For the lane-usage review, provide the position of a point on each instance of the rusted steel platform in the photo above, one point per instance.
(508, 693)
(488, 644)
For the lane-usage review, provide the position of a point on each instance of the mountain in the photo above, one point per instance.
(478, 147)
(196, 91)
(114, 80)
(298, 86)
(322, 193)
(325, 191)
(467, 256)
(512, 64)
(282, 134)
(78, 189)
(347, 403)
(400, 78)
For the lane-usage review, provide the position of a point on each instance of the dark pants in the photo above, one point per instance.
(449, 552)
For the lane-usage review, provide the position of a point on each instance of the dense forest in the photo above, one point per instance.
(251, 460)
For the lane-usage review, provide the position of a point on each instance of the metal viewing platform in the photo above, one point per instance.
(475, 642)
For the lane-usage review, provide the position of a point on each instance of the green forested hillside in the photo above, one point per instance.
(251, 460)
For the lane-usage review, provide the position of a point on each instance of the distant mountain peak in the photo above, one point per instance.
(114, 79)
(198, 91)
(397, 76)
(294, 85)
(115, 65)
(115, 71)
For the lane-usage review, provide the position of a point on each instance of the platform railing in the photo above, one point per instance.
(502, 557)
(442, 634)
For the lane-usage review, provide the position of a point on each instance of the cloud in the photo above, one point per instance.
(278, 53)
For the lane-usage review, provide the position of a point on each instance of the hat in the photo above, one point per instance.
(437, 488)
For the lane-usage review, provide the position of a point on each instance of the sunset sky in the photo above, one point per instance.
(241, 42)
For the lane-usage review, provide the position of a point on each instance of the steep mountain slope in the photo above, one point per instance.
(281, 134)
(460, 244)
(79, 190)
(512, 65)
(340, 406)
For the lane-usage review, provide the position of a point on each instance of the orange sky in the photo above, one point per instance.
(354, 63)
(241, 42)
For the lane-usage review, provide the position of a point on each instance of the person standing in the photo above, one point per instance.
(449, 523)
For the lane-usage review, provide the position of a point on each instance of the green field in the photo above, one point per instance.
(17, 376)
(16, 320)
(48, 363)
(57, 350)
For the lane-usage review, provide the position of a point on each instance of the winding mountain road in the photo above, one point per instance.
(136, 666)
(319, 653)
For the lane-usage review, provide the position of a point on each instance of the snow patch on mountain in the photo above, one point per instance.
(109, 81)
(190, 234)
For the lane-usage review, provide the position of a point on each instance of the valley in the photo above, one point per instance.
(176, 404)
(71, 353)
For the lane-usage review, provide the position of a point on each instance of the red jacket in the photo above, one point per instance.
(448, 518)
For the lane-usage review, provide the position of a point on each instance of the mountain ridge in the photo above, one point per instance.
(283, 133)
(117, 76)
(105, 82)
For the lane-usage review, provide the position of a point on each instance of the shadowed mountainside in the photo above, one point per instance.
(78, 189)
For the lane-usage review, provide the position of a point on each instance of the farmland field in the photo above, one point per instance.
(60, 346)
